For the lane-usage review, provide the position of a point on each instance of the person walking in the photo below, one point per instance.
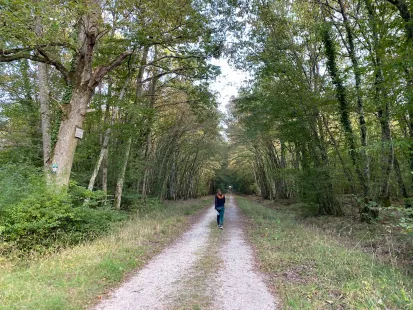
(220, 207)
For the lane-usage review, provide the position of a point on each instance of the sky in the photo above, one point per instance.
(228, 83)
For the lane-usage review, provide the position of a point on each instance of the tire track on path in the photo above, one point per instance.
(152, 287)
(174, 277)
(239, 285)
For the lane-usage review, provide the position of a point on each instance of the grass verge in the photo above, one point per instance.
(310, 269)
(78, 277)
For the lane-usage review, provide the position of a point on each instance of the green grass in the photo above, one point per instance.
(310, 269)
(78, 277)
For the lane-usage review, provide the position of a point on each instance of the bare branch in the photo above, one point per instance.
(173, 104)
(176, 71)
(37, 58)
(100, 72)
(55, 63)
(4, 52)
(9, 55)
(175, 57)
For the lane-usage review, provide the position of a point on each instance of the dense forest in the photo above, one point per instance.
(328, 111)
(103, 104)
(106, 105)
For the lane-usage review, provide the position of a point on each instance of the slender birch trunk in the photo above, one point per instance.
(145, 181)
(121, 177)
(45, 114)
(148, 146)
(104, 150)
(105, 172)
(44, 105)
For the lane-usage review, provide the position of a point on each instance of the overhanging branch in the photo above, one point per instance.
(37, 58)
(55, 63)
(33, 48)
(100, 72)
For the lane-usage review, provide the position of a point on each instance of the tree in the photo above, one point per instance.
(77, 45)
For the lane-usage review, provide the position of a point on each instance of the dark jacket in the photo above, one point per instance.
(219, 201)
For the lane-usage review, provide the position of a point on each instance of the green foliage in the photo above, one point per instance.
(328, 110)
(20, 132)
(81, 196)
(406, 223)
(145, 208)
(404, 216)
(36, 216)
(67, 94)
(17, 181)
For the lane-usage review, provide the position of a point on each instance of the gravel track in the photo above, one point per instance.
(241, 285)
(236, 286)
(151, 287)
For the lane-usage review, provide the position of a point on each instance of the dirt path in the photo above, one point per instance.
(241, 285)
(235, 286)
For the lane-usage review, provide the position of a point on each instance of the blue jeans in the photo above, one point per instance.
(220, 216)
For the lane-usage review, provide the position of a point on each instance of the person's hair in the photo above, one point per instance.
(219, 191)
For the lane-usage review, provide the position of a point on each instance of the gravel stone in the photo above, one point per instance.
(152, 285)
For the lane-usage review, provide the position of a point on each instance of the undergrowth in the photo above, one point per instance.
(35, 217)
(311, 269)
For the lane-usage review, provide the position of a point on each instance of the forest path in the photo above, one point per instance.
(235, 285)
(241, 286)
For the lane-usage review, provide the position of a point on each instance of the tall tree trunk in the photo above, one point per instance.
(121, 177)
(407, 16)
(327, 202)
(387, 152)
(82, 82)
(81, 94)
(44, 105)
(148, 146)
(347, 171)
(104, 149)
(45, 113)
(105, 141)
(148, 150)
(102, 155)
(400, 180)
(64, 150)
(105, 172)
(383, 110)
(139, 90)
(362, 122)
(284, 192)
(330, 52)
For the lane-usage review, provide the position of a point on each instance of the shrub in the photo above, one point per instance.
(18, 181)
(81, 196)
(38, 217)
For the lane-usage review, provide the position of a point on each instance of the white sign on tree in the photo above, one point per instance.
(79, 133)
